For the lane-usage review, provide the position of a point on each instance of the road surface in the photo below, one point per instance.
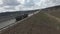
(6, 23)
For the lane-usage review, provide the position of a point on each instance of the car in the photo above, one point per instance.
(18, 18)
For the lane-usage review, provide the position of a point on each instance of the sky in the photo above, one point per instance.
(18, 5)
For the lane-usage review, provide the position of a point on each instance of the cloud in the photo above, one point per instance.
(10, 2)
(45, 3)
(10, 5)
(1, 2)
(29, 3)
(21, 1)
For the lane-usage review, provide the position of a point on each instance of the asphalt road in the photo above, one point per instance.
(6, 23)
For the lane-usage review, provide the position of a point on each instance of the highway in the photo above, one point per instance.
(6, 23)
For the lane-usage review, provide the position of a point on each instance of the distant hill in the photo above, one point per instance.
(7, 13)
(13, 14)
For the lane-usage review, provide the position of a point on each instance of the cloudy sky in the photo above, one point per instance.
(13, 5)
